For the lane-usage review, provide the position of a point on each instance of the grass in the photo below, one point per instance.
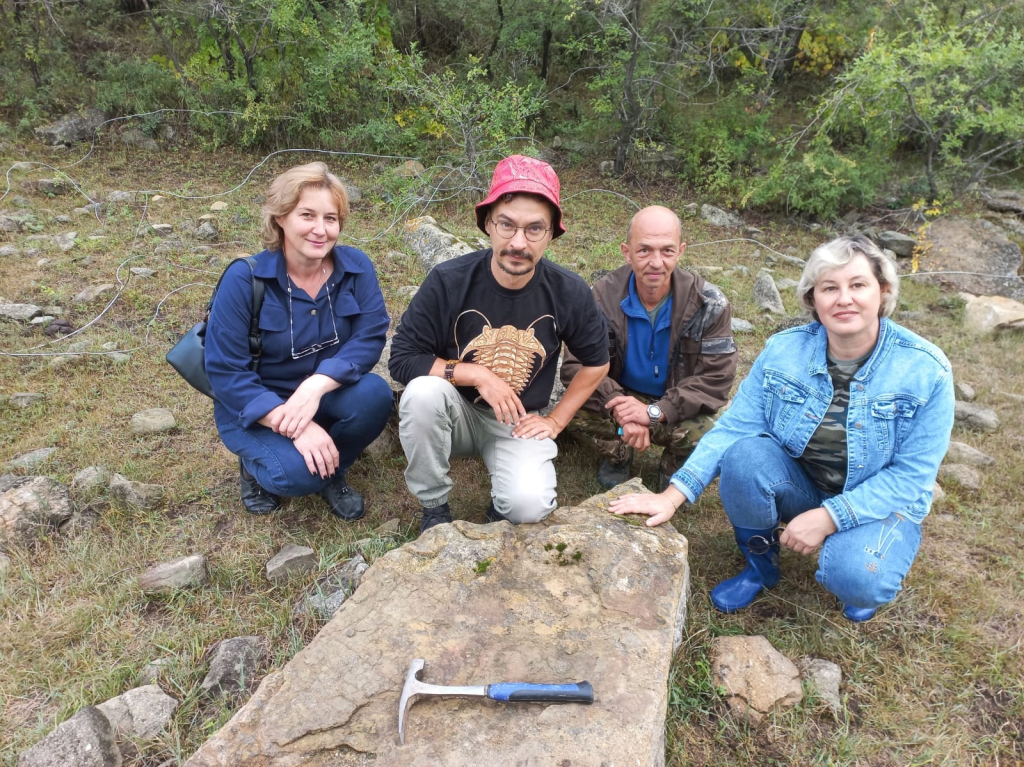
(935, 679)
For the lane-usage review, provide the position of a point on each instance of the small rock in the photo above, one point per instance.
(756, 676)
(8, 224)
(329, 593)
(690, 209)
(606, 167)
(207, 231)
(84, 740)
(177, 574)
(938, 493)
(353, 192)
(408, 291)
(120, 196)
(152, 421)
(965, 476)
(79, 346)
(8, 250)
(32, 459)
(958, 452)
(136, 494)
(110, 346)
(5, 563)
(410, 169)
(741, 326)
(62, 219)
(219, 205)
(32, 505)
(826, 678)
(163, 230)
(752, 231)
(54, 186)
(90, 478)
(141, 713)
(157, 198)
(24, 399)
(389, 529)
(66, 241)
(971, 416)
(119, 357)
(397, 255)
(233, 666)
(19, 167)
(61, 360)
(740, 269)
(785, 283)
(90, 294)
(289, 561)
(898, 243)
(43, 319)
(133, 137)
(384, 446)
(151, 672)
(766, 295)
(208, 217)
(718, 217)
(963, 391)
(19, 312)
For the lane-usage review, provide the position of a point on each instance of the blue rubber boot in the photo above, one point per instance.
(761, 550)
(859, 614)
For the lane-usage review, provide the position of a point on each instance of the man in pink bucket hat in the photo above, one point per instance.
(478, 347)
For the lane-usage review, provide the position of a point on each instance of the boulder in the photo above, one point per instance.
(1005, 201)
(431, 243)
(975, 417)
(990, 261)
(741, 326)
(138, 494)
(52, 186)
(958, 452)
(71, 128)
(581, 596)
(207, 231)
(963, 391)
(8, 224)
(756, 676)
(329, 593)
(766, 294)
(289, 561)
(993, 314)
(177, 574)
(31, 505)
(718, 217)
(141, 713)
(84, 740)
(233, 666)
(899, 243)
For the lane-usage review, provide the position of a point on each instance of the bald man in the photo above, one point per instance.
(673, 358)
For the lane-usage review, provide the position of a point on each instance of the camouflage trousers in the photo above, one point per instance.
(679, 440)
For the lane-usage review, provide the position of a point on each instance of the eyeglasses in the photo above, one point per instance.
(760, 544)
(317, 347)
(507, 230)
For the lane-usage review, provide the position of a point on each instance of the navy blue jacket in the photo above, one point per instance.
(243, 395)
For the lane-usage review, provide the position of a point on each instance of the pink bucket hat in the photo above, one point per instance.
(519, 174)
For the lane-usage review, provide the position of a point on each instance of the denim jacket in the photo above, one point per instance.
(898, 424)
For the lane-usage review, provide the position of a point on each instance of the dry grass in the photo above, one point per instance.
(936, 678)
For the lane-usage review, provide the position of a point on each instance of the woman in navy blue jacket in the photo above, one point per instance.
(300, 415)
(831, 445)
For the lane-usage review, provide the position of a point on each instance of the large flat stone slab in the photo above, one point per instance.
(484, 604)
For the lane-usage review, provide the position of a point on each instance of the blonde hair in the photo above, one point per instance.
(284, 194)
(838, 253)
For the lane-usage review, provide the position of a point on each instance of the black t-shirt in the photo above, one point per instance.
(461, 312)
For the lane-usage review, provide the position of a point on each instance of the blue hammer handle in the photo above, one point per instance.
(581, 692)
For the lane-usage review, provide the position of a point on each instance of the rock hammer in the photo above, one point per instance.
(580, 692)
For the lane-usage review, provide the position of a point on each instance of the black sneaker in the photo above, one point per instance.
(255, 499)
(612, 474)
(493, 515)
(344, 502)
(434, 516)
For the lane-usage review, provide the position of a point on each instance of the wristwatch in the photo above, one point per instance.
(449, 371)
(654, 413)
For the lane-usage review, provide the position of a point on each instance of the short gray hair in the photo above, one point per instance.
(837, 254)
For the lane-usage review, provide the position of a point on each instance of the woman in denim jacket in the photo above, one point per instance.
(832, 443)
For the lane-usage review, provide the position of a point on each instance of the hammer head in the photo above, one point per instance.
(409, 693)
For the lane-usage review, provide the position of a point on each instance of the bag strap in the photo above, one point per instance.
(258, 290)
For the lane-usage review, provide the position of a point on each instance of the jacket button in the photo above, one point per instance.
(858, 425)
(313, 312)
(860, 387)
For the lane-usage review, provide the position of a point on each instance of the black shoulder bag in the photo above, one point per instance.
(188, 356)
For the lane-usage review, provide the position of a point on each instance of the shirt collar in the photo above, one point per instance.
(270, 264)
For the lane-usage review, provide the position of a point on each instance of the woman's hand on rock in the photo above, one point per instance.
(318, 450)
(660, 508)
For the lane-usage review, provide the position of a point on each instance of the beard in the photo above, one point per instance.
(508, 269)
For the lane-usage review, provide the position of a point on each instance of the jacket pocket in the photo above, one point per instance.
(784, 402)
(893, 416)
